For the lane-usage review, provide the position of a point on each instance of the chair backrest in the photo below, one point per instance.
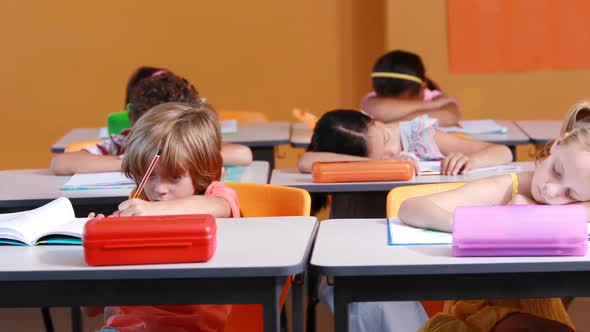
(264, 200)
(397, 195)
(242, 116)
(268, 200)
(77, 146)
(117, 122)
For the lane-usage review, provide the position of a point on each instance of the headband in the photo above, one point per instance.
(159, 72)
(398, 75)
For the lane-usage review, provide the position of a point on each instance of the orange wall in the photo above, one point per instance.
(66, 63)
(421, 26)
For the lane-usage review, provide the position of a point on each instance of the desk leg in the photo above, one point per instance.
(513, 150)
(340, 309)
(76, 319)
(271, 310)
(264, 153)
(297, 287)
(313, 282)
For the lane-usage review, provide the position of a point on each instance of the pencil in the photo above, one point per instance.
(147, 175)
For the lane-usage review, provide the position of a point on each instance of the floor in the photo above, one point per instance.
(29, 320)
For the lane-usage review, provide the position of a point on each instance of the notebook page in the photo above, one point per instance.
(103, 132)
(102, 180)
(73, 228)
(229, 126)
(474, 127)
(433, 168)
(402, 234)
(28, 226)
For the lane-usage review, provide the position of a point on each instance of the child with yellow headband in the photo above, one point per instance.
(402, 92)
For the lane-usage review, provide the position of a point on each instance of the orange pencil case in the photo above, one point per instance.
(362, 171)
(150, 239)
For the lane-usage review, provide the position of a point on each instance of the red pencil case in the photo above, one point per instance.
(362, 171)
(150, 239)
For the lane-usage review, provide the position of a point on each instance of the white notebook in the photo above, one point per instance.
(475, 127)
(103, 180)
(401, 234)
(52, 223)
(434, 168)
(229, 126)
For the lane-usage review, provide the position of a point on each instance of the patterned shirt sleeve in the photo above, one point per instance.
(417, 137)
(113, 146)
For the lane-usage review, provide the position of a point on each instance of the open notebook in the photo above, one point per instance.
(475, 127)
(433, 168)
(118, 180)
(229, 126)
(52, 223)
(401, 234)
(103, 180)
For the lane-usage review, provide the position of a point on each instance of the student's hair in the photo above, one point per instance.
(159, 89)
(140, 74)
(188, 139)
(341, 131)
(570, 130)
(400, 62)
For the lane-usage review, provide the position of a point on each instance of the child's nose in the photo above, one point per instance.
(552, 190)
(161, 188)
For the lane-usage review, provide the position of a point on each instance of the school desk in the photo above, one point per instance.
(260, 137)
(301, 136)
(366, 269)
(30, 188)
(254, 257)
(369, 198)
(540, 131)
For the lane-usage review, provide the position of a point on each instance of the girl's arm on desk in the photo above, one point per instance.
(308, 158)
(436, 211)
(83, 162)
(386, 109)
(464, 154)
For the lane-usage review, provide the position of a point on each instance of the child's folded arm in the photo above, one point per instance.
(308, 158)
(83, 162)
(435, 211)
(387, 109)
(195, 204)
(236, 155)
(481, 154)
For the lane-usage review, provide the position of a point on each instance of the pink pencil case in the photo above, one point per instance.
(520, 230)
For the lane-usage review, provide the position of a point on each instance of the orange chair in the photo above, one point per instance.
(264, 200)
(395, 198)
(77, 146)
(242, 116)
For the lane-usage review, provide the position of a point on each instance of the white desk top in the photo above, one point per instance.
(35, 187)
(277, 246)
(353, 247)
(252, 135)
(541, 131)
(301, 135)
(293, 178)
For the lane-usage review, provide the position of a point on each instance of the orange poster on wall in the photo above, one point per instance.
(518, 35)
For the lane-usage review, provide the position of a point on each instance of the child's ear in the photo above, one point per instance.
(555, 144)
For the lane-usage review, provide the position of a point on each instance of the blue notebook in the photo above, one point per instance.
(52, 223)
(401, 234)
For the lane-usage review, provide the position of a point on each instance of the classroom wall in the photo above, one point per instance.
(66, 63)
(421, 26)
